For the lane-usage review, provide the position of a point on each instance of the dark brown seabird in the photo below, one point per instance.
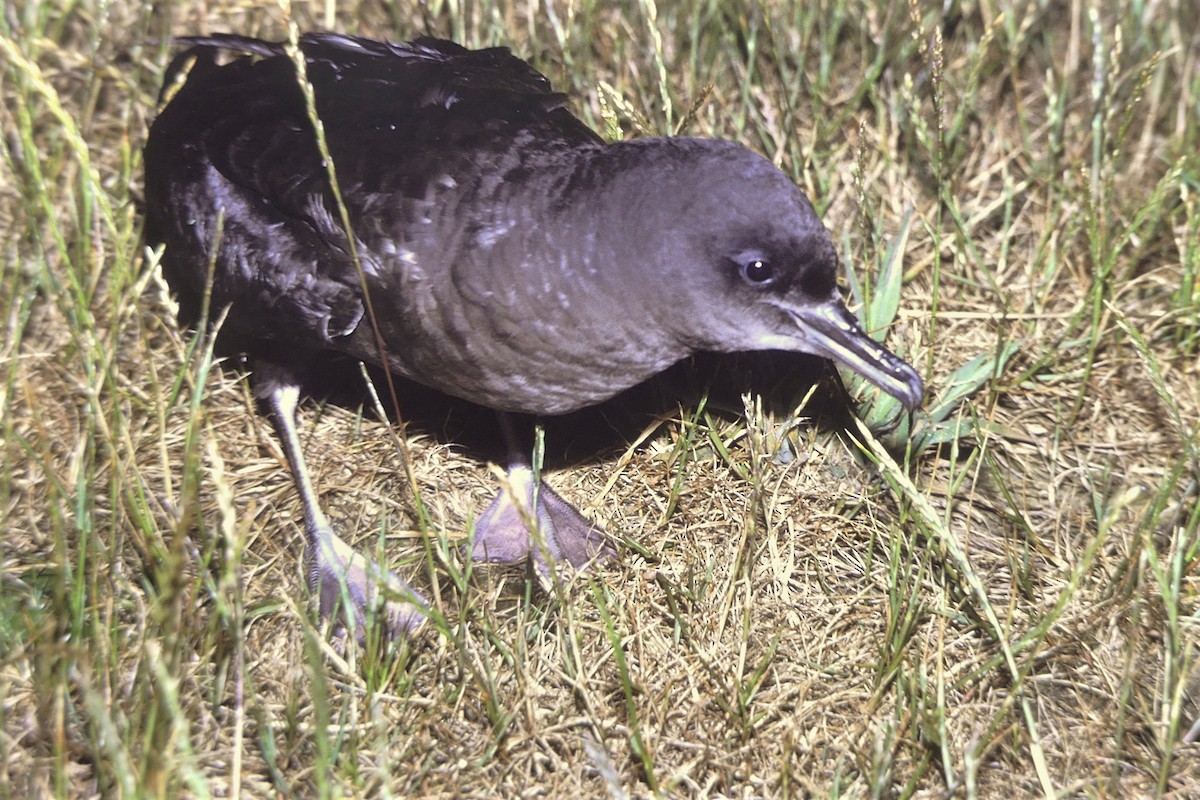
(511, 256)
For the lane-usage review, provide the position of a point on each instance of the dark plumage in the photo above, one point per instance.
(510, 256)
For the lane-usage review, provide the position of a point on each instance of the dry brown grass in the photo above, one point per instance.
(790, 629)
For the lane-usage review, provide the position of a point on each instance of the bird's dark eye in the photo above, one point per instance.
(757, 271)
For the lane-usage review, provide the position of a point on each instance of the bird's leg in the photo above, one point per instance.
(525, 515)
(336, 573)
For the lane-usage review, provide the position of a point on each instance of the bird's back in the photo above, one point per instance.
(233, 159)
(380, 104)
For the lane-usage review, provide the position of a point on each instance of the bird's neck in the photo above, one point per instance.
(562, 243)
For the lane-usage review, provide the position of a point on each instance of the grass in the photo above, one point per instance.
(999, 601)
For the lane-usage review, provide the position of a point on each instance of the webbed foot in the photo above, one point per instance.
(342, 578)
(504, 533)
(333, 564)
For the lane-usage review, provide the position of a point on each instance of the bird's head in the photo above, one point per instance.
(748, 264)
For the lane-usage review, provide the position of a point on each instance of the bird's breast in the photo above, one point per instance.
(484, 324)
